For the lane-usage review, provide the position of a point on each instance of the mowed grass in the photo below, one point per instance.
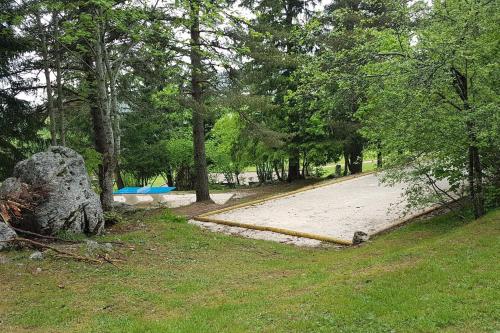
(436, 275)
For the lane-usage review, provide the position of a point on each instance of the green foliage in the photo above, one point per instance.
(19, 121)
(417, 109)
(179, 152)
(112, 218)
(92, 160)
(144, 154)
(275, 48)
(225, 148)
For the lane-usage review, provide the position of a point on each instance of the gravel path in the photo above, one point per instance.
(337, 210)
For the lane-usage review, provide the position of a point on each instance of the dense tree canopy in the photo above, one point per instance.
(19, 121)
(181, 89)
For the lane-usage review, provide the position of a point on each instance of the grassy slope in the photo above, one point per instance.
(436, 275)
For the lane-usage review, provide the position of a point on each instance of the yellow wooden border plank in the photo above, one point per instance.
(274, 229)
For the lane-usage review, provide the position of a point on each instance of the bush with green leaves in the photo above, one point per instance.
(225, 148)
(434, 104)
(180, 160)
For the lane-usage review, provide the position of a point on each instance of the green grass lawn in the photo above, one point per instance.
(437, 275)
(329, 169)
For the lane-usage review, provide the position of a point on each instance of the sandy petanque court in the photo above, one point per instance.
(334, 211)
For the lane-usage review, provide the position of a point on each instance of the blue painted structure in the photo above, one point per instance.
(145, 190)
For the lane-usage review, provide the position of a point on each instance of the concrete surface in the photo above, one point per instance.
(170, 200)
(245, 178)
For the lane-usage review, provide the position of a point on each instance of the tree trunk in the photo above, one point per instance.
(60, 96)
(478, 176)
(261, 172)
(277, 171)
(200, 159)
(113, 107)
(475, 172)
(118, 176)
(60, 107)
(293, 166)
(355, 163)
(379, 160)
(304, 166)
(354, 153)
(475, 178)
(346, 163)
(46, 69)
(170, 177)
(104, 130)
(470, 176)
(101, 120)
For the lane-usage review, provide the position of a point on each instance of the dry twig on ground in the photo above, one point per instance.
(64, 253)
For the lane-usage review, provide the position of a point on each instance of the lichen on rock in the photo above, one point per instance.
(68, 203)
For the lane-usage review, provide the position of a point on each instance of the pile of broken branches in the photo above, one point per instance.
(13, 206)
(43, 245)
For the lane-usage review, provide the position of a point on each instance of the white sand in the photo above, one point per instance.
(337, 210)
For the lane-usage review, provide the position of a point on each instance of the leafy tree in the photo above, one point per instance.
(225, 148)
(144, 155)
(332, 81)
(101, 35)
(19, 121)
(274, 47)
(180, 155)
(438, 93)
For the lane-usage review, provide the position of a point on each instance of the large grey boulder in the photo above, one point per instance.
(6, 235)
(68, 203)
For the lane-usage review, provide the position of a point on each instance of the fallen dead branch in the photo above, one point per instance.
(58, 239)
(109, 260)
(63, 253)
(34, 234)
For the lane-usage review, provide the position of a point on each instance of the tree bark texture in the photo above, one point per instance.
(104, 130)
(475, 171)
(200, 160)
(353, 153)
(293, 166)
(46, 69)
(101, 118)
(60, 95)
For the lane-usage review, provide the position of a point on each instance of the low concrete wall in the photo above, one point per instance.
(168, 200)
